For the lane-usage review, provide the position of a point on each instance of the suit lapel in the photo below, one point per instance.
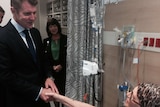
(18, 39)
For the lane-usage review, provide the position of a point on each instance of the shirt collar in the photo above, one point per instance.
(18, 27)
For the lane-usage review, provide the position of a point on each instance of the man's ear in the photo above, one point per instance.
(13, 10)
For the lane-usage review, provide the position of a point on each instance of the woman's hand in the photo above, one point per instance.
(57, 68)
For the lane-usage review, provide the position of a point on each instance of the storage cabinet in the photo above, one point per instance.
(58, 10)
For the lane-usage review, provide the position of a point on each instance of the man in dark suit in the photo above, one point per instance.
(24, 78)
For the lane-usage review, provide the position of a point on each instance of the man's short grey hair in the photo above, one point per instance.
(17, 3)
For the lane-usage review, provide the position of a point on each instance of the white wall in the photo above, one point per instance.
(41, 15)
(6, 6)
(42, 18)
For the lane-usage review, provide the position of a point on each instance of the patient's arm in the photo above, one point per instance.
(68, 101)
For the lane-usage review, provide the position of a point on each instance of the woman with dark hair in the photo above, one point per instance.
(144, 95)
(55, 46)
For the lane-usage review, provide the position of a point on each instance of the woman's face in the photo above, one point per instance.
(132, 99)
(53, 29)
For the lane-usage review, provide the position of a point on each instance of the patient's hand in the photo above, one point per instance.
(68, 101)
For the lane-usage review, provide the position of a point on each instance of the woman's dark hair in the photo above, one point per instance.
(53, 21)
(149, 95)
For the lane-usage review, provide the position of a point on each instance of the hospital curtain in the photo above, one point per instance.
(84, 42)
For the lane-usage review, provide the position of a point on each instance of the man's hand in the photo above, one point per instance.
(45, 97)
(49, 83)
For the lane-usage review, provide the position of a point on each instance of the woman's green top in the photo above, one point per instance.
(55, 47)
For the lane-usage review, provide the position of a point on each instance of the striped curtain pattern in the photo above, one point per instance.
(84, 43)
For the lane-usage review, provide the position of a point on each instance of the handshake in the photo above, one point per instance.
(67, 101)
(51, 93)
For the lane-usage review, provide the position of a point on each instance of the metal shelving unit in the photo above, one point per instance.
(58, 10)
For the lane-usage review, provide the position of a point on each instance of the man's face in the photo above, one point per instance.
(1, 16)
(132, 99)
(26, 15)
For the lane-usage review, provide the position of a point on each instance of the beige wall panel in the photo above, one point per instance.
(149, 70)
(144, 14)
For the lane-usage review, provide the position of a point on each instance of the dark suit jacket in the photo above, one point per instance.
(60, 77)
(19, 74)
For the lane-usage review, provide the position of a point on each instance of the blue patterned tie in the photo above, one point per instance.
(30, 44)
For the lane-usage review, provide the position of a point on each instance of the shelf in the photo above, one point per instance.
(58, 9)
